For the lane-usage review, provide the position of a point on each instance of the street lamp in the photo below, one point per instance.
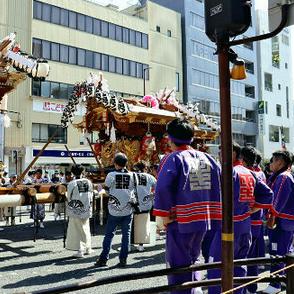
(144, 79)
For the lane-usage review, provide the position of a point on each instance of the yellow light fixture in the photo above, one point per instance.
(238, 71)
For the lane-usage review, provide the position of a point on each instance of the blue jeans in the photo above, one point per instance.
(112, 222)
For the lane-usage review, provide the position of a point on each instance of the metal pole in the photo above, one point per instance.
(290, 274)
(227, 173)
(73, 160)
(95, 155)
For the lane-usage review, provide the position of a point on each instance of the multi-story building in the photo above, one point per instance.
(200, 70)
(275, 112)
(79, 37)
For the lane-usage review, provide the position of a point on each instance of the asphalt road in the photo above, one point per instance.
(27, 266)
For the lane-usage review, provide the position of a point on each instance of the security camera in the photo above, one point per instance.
(275, 13)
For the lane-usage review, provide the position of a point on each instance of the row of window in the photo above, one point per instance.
(42, 132)
(212, 81)
(56, 90)
(238, 113)
(197, 21)
(78, 56)
(275, 132)
(81, 22)
(51, 89)
(204, 51)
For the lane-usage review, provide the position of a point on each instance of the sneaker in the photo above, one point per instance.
(122, 263)
(100, 263)
(42, 225)
(271, 290)
(88, 251)
(79, 254)
(141, 248)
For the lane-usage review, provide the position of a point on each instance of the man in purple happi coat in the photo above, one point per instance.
(282, 211)
(187, 197)
(250, 194)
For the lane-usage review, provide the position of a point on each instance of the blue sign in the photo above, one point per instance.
(62, 153)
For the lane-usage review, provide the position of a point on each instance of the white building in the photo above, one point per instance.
(275, 106)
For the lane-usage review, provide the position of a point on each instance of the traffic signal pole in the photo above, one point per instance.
(227, 165)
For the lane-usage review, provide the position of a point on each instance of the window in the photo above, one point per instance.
(118, 65)
(126, 35)
(46, 50)
(285, 39)
(81, 57)
(279, 86)
(133, 68)
(36, 88)
(45, 89)
(249, 67)
(197, 21)
(97, 61)
(126, 67)
(54, 93)
(145, 41)
(287, 102)
(138, 39)
(268, 82)
(285, 134)
(139, 70)
(104, 29)
(169, 33)
(275, 52)
(249, 91)
(81, 23)
(64, 17)
(64, 53)
(89, 59)
(111, 64)
(42, 132)
(37, 48)
(72, 55)
(89, 24)
(46, 12)
(37, 10)
(250, 115)
(158, 29)
(55, 15)
(204, 51)
(286, 65)
(104, 64)
(97, 27)
(55, 51)
(132, 37)
(177, 82)
(274, 133)
(118, 33)
(72, 20)
(278, 110)
(111, 28)
(63, 91)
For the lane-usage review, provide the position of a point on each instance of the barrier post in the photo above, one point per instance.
(290, 274)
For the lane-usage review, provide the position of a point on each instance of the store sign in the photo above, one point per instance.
(62, 153)
(55, 107)
(261, 124)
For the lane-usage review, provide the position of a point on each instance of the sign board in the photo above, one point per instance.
(275, 13)
(55, 107)
(62, 153)
(261, 107)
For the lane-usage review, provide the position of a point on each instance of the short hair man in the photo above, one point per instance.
(120, 185)
(187, 197)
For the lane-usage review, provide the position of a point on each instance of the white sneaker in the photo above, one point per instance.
(198, 290)
(89, 251)
(271, 290)
(79, 254)
(141, 248)
(42, 225)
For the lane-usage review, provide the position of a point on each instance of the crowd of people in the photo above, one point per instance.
(184, 193)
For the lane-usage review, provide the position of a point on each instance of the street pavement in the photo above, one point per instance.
(26, 265)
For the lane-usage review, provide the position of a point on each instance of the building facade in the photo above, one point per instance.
(275, 107)
(200, 69)
(79, 37)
